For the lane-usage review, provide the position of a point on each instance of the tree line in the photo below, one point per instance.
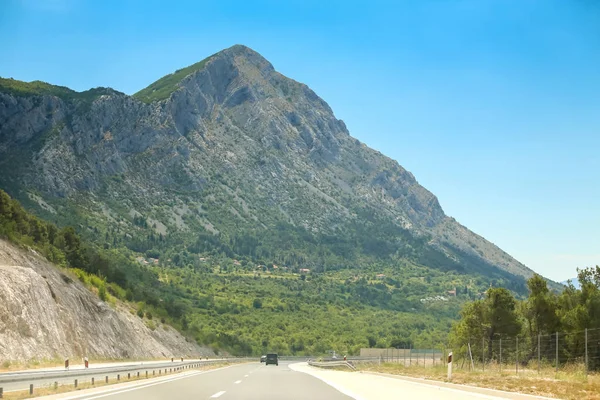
(530, 328)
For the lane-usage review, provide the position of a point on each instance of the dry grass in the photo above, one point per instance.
(567, 384)
(47, 391)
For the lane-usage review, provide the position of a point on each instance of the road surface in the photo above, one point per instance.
(288, 381)
(246, 381)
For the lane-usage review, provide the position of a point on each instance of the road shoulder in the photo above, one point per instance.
(378, 386)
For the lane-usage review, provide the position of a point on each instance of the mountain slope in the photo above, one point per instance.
(46, 314)
(235, 158)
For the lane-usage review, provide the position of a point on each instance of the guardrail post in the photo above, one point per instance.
(31, 388)
(138, 374)
(55, 385)
(92, 381)
(1, 392)
(75, 384)
(146, 374)
(450, 367)
(118, 377)
(106, 379)
(129, 375)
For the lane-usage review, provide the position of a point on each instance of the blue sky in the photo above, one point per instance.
(494, 105)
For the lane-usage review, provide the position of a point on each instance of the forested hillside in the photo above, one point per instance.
(229, 200)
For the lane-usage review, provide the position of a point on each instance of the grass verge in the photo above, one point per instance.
(566, 384)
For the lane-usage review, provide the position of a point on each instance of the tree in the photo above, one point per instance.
(492, 318)
(257, 303)
(540, 308)
(73, 249)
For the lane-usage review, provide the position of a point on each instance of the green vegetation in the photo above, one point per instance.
(109, 272)
(234, 306)
(37, 88)
(535, 320)
(162, 88)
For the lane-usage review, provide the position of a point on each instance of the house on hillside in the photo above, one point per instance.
(452, 292)
(304, 270)
(380, 276)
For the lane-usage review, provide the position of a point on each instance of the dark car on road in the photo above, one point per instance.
(272, 359)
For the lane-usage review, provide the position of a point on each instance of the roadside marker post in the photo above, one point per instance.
(449, 366)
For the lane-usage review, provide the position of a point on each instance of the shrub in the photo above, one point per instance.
(102, 292)
(140, 313)
(257, 303)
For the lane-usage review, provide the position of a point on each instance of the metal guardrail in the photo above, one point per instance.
(331, 364)
(36, 375)
(29, 377)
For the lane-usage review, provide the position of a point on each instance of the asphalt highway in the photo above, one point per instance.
(291, 380)
(246, 382)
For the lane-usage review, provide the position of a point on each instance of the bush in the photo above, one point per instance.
(148, 315)
(257, 303)
(140, 313)
(102, 292)
(96, 281)
(117, 291)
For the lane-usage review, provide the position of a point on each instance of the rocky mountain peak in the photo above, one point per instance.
(233, 136)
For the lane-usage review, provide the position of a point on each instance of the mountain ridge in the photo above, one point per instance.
(232, 129)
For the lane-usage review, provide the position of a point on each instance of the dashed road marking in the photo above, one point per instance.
(218, 394)
(236, 382)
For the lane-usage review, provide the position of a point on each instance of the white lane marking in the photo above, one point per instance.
(245, 376)
(144, 385)
(218, 394)
(236, 382)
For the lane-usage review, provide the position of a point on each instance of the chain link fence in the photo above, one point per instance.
(573, 352)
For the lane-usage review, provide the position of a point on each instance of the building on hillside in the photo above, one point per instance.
(380, 276)
(304, 270)
(452, 292)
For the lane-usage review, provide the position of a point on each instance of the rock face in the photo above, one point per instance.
(234, 145)
(47, 314)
